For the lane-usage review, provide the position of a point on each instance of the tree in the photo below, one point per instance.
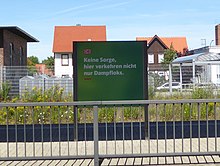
(49, 62)
(169, 55)
(32, 60)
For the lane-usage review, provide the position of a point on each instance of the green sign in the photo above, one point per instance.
(110, 71)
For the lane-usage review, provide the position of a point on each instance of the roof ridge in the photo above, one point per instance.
(80, 26)
(174, 37)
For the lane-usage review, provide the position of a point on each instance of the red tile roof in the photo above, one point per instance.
(65, 35)
(179, 43)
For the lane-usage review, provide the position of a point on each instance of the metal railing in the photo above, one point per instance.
(108, 129)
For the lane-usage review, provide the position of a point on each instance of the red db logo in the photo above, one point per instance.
(87, 51)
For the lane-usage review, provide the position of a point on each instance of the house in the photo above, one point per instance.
(13, 56)
(156, 47)
(63, 45)
(42, 69)
(13, 46)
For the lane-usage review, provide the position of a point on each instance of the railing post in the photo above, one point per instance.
(194, 74)
(75, 129)
(170, 78)
(146, 122)
(96, 136)
(181, 79)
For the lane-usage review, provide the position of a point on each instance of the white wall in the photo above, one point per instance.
(214, 49)
(63, 70)
(215, 74)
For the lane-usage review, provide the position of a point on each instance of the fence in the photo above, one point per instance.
(22, 78)
(43, 82)
(109, 129)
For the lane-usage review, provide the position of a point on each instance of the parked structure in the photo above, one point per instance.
(204, 66)
(63, 44)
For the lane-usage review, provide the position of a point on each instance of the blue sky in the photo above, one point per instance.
(124, 20)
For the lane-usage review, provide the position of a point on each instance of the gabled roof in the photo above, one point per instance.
(179, 43)
(65, 35)
(157, 38)
(16, 30)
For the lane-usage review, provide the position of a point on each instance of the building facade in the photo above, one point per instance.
(13, 46)
(217, 34)
(157, 45)
(64, 36)
(156, 48)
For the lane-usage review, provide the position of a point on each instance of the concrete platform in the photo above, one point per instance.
(125, 152)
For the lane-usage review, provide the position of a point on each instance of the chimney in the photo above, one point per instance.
(217, 34)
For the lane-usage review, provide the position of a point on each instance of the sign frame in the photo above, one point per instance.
(76, 67)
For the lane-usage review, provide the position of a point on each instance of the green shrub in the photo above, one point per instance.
(4, 92)
(106, 114)
(38, 114)
(53, 94)
(202, 93)
(64, 114)
(151, 92)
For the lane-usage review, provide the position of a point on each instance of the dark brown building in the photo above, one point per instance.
(157, 46)
(13, 46)
(217, 34)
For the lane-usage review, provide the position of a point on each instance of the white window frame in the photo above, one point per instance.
(64, 59)
(160, 57)
(150, 58)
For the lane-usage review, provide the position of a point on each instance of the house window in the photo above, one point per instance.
(11, 53)
(150, 58)
(21, 56)
(65, 60)
(160, 58)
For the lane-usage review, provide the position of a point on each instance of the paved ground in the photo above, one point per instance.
(126, 148)
(187, 160)
(86, 148)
